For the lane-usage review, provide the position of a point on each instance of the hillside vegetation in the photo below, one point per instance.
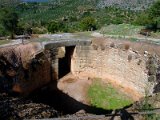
(75, 15)
(127, 4)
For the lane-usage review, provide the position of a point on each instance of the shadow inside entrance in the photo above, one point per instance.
(62, 102)
(64, 64)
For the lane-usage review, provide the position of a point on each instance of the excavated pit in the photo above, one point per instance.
(59, 77)
(64, 103)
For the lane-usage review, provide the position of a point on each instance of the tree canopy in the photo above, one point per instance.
(55, 26)
(154, 13)
(154, 10)
(88, 23)
(10, 21)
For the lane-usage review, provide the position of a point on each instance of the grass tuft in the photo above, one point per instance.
(2, 42)
(107, 97)
(121, 29)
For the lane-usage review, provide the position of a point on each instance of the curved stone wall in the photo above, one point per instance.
(135, 72)
(117, 66)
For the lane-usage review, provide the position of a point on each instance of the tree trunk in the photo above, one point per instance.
(12, 36)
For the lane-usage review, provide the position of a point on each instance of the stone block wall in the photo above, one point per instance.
(121, 67)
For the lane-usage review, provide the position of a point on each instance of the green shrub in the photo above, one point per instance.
(154, 11)
(53, 27)
(3, 32)
(10, 21)
(38, 30)
(151, 66)
(142, 19)
(57, 26)
(152, 69)
(145, 105)
(88, 24)
(152, 78)
(133, 39)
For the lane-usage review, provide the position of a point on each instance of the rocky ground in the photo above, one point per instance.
(22, 108)
(17, 108)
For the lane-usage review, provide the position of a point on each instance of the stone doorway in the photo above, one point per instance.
(64, 64)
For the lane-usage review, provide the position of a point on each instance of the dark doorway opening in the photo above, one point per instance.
(64, 65)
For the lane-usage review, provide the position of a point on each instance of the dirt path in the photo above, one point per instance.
(75, 87)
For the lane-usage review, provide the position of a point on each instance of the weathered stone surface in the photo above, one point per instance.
(23, 68)
(112, 65)
(60, 43)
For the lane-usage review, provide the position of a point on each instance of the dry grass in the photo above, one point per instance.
(126, 46)
(129, 57)
(100, 41)
(139, 62)
(70, 80)
(140, 47)
(102, 47)
(95, 47)
(112, 45)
